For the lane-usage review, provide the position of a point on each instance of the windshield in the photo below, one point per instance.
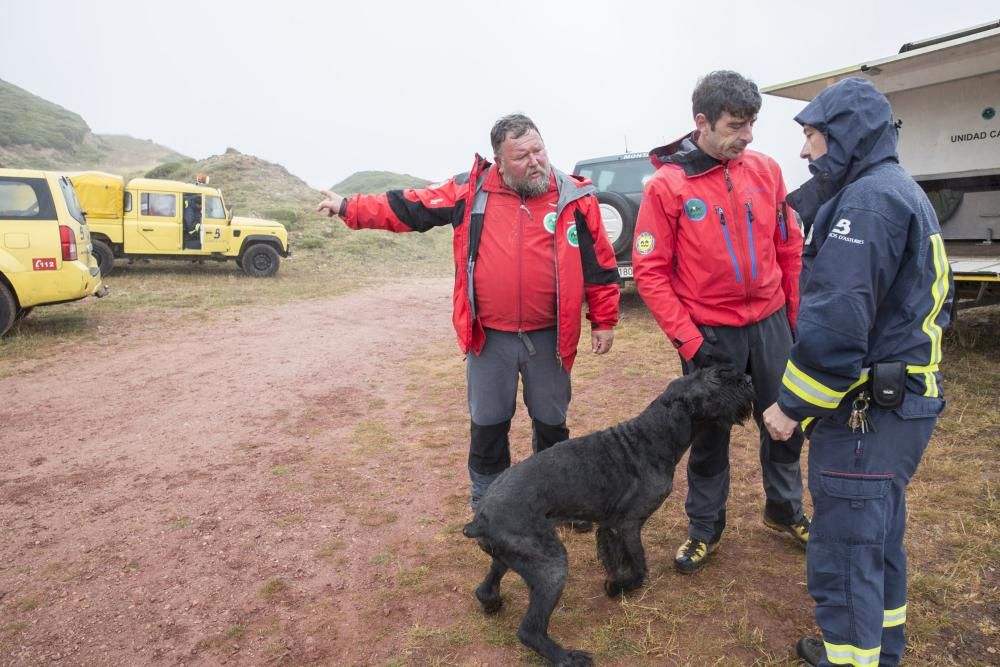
(622, 176)
(214, 208)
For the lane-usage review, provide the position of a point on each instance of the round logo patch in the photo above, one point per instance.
(644, 243)
(550, 222)
(989, 113)
(572, 237)
(695, 209)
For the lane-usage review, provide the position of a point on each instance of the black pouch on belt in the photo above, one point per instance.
(888, 383)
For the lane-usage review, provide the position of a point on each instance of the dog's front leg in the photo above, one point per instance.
(632, 537)
(488, 592)
(620, 550)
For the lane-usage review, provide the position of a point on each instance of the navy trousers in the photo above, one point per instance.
(855, 560)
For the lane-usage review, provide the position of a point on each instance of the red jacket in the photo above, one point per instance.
(582, 260)
(715, 243)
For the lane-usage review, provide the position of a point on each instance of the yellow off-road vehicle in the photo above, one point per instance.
(45, 246)
(153, 218)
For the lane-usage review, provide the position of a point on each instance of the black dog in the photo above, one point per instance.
(617, 478)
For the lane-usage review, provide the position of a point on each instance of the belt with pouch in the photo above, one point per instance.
(884, 384)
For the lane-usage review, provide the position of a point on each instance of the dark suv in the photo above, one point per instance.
(619, 180)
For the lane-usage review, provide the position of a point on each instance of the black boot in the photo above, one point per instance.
(810, 650)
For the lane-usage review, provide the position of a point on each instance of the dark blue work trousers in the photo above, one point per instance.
(855, 560)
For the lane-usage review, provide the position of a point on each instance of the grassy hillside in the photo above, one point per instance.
(377, 181)
(35, 133)
(28, 119)
(257, 188)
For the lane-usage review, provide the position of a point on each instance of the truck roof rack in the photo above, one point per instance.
(957, 34)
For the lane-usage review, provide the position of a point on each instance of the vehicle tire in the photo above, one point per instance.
(105, 257)
(23, 312)
(618, 214)
(8, 309)
(260, 261)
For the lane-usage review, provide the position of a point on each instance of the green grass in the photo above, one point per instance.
(29, 119)
(273, 589)
(377, 181)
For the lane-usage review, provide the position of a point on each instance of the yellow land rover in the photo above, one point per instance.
(154, 218)
(45, 249)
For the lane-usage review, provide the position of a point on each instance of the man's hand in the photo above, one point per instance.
(601, 340)
(709, 355)
(330, 204)
(778, 424)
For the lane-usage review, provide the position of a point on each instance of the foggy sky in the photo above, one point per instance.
(329, 89)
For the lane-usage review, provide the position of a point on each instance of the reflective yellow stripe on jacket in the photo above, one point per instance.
(812, 390)
(939, 292)
(815, 392)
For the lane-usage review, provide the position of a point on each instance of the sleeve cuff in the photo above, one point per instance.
(343, 208)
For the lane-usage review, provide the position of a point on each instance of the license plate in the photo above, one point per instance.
(625, 271)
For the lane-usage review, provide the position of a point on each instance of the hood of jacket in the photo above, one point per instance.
(856, 120)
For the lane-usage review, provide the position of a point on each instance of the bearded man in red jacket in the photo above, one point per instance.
(529, 248)
(717, 258)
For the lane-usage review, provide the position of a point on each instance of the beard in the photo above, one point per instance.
(532, 185)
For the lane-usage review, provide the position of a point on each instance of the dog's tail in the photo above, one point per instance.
(475, 528)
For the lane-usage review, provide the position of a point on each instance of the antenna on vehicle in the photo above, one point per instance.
(626, 143)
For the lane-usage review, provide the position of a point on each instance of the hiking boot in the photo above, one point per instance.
(692, 555)
(810, 650)
(797, 529)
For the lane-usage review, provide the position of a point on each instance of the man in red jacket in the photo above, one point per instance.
(717, 258)
(529, 248)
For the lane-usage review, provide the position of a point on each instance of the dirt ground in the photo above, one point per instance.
(286, 485)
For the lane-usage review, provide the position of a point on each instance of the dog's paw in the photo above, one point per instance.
(489, 605)
(576, 659)
(613, 588)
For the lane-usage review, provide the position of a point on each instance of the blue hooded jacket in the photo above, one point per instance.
(876, 285)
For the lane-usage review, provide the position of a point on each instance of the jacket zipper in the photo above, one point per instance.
(747, 297)
(753, 255)
(520, 266)
(781, 221)
(555, 262)
(729, 243)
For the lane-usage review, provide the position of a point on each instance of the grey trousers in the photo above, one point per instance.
(492, 378)
(762, 349)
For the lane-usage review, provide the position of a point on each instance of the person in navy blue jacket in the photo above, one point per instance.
(863, 377)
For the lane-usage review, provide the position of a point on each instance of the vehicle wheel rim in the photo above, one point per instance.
(613, 223)
(261, 262)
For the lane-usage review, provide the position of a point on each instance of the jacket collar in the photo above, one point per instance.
(684, 152)
(570, 188)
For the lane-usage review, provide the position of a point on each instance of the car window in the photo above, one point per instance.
(72, 203)
(158, 204)
(214, 208)
(25, 199)
(622, 176)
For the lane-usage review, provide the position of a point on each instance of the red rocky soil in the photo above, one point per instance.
(273, 485)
